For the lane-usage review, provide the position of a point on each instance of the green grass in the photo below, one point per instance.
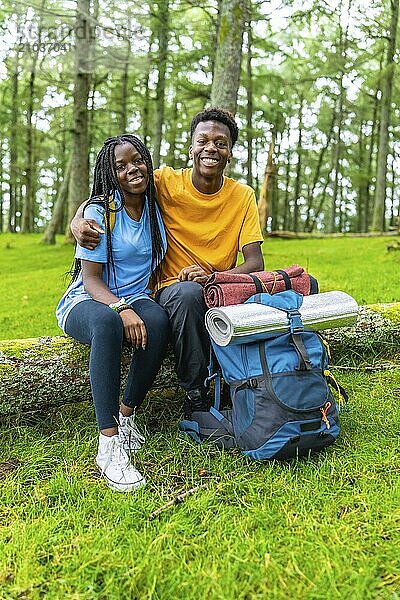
(328, 527)
(32, 281)
(32, 275)
(324, 528)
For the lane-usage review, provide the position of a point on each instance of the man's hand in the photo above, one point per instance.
(86, 232)
(134, 329)
(193, 273)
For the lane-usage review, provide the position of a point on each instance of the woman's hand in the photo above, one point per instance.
(134, 328)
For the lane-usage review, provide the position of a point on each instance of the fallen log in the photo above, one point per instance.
(374, 338)
(42, 373)
(303, 235)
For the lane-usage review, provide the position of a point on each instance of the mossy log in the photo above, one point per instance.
(40, 373)
(302, 235)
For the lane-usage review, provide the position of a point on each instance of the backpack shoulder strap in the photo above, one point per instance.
(289, 302)
(112, 206)
(112, 215)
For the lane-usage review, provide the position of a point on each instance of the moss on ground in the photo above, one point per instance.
(323, 528)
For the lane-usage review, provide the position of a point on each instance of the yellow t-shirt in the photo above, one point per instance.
(204, 229)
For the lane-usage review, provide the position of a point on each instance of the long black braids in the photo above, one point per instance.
(105, 184)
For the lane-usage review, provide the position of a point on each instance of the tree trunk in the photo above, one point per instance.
(171, 134)
(384, 123)
(274, 191)
(146, 103)
(392, 190)
(299, 153)
(13, 182)
(226, 75)
(286, 206)
(337, 155)
(267, 185)
(124, 90)
(367, 208)
(1, 188)
(163, 35)
(54, 225)
(38, 374)
(79, 183)
(27, 209)
(29, 200)
(125, 80)
(317, 173)
(342, 58)
(363, 179)
(249, 108)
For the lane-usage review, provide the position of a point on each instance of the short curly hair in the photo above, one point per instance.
(221, 115)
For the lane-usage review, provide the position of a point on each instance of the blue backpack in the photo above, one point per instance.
(282, 406)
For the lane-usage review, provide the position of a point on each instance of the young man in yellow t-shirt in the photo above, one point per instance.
(208, 218)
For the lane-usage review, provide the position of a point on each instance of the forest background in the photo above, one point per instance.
(314, 85)
(315, 89)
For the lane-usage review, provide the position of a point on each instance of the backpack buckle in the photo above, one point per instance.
(295, 322)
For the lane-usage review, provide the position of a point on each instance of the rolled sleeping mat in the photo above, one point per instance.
(242, 323)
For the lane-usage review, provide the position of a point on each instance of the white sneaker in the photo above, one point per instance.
(115, 466)
(129, 435)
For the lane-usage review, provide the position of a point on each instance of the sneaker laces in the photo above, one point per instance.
(133, 430)
(117, 452)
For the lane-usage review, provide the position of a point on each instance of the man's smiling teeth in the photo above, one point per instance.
(209, 161)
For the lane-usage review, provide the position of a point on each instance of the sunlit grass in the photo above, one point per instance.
(324, 528)
(32, 275)
(328, 527)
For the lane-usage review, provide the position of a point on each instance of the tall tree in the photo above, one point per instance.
(265, 199)
(249, 108)
(13, 139)
(54, 225)
(384, 122)
(162, 34)
(27, 209)
(226, 76)
(79, 181)
(299, 165)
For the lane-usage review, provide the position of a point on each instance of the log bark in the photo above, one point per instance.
(43, 373)
(37, 374)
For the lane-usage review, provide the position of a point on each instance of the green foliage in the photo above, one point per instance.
(330, 55)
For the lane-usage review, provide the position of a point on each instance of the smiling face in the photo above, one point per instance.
(131, 171)
(210, 151)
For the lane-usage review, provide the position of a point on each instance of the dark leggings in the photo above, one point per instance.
(101, 327)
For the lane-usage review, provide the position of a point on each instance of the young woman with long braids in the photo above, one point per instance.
(108, 300)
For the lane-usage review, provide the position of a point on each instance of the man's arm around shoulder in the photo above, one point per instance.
(85, 231)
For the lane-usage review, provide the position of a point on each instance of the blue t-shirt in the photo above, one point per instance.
(131, 247)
